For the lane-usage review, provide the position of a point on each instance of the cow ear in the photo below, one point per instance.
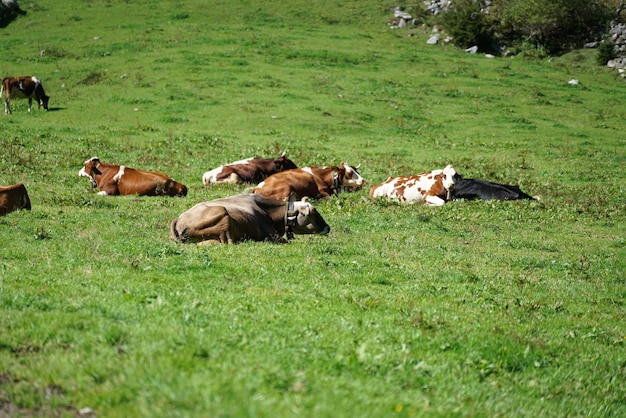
(95, 163)
(305, 209)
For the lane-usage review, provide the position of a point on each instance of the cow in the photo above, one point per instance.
(432, 187)
(23, 88)
(471, 189)
(121, 180)
(13, 198)
(250, 170)
(313, 181)
(247, 217)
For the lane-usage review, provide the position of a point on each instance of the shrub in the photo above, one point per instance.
(606, 52)
(467, 25)
(556, 25)
(550, 27)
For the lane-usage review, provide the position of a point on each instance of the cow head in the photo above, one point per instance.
(303, 218)
(43, 101)
(90, 169)
(351, 180)
(449, 177)
(176, 189)
(283, 163)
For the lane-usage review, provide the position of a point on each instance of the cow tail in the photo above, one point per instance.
(174, 232)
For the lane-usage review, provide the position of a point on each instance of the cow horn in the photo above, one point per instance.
(283, 154)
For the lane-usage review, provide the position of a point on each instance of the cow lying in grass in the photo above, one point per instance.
(121, 180)
(250, 170)
(471, 189)
(310, 181)
(432, 187)
(247, 217)
(13, 198)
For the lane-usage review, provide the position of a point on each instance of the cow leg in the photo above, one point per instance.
(434, 201)
(7, 108)
(234, 179)
(226, 237)
(30, 104)
(216, 227)
(209, 242)
(110, 188)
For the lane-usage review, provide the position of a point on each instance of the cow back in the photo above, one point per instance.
(293, 184)
(149, 183)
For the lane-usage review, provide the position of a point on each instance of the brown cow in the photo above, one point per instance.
(23, 88)
(13, 198)
(247, 217)
(250, 170)
(121, 180)
(310, 181)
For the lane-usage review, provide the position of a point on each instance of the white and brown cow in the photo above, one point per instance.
(13, 198)
(310, 181)
(23, 88)
(121, 180)
(432, 187)
(246, 217)
(250, 170)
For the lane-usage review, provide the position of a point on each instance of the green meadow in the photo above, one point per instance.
(476, 308)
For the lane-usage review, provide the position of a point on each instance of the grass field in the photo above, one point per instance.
(470, 309)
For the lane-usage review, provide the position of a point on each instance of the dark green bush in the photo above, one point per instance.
(556, 26)
(467, 25)
(550, 27)
(606, 52)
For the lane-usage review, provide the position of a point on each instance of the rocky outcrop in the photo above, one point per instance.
(617, 36)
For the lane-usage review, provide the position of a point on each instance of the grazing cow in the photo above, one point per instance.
(23, 88)
(250, 170)
(247, 217)
(121, 180)
(432, 187)
(471, 189)
(13, 198)
(310, 181)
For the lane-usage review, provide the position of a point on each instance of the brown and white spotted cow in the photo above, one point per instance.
(247, 217)
(310, 181)
(13, 198)
(432, 187)
(23, 88)
(250, 170)
(121, 180)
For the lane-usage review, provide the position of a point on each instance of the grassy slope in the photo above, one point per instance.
(476, 308)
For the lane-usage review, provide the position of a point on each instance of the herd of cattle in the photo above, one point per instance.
(276, 207)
